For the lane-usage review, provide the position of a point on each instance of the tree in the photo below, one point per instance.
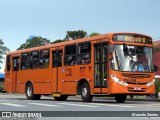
(156, 46)
(72, 35)
(94, 34)
(3, 50)
(34, 42)
(57, 41)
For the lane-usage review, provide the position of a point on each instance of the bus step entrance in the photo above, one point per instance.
(56, 94)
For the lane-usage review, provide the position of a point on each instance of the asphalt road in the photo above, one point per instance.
(20, 103)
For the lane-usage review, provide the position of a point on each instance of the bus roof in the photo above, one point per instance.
(58, 44)
(102, 36)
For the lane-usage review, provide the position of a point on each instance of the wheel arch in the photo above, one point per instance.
(79, 85)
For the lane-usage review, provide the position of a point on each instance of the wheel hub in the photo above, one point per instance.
(29, 91)
(84, 92)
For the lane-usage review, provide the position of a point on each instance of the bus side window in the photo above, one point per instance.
(57, 58)
(44, 59)
(25, 59)
(16, 64)
(8, 63)
(84, 53)
(34, 63)
(70, 55)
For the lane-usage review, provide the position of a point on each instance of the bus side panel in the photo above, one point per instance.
(69, 88)
(42, 88)
(40, 79)
(70, 79)
(8, 84)
(73, 74)
(57, 80)
(20, 88)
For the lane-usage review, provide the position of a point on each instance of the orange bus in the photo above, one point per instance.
(114, 64)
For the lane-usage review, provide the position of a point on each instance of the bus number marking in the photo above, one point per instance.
(82, 71)
(69, 70)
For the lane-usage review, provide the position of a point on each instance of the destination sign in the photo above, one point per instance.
(132, 38)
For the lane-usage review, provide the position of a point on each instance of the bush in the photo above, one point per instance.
(1, 85)
(157, 85)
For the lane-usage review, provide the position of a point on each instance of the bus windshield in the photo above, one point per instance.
(129, 58)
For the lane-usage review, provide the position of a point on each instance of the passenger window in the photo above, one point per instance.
(84, 53)
(8, 63)
(57, 58)
(34, 63)
(44, 59)
(25, 61)
(16, 64)
(70, 55)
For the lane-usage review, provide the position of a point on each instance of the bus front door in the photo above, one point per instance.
(56, 71)
(15, 69)
(100, 68)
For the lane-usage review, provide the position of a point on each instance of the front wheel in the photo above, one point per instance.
(30, 92)
(120, 98)
(85, 93)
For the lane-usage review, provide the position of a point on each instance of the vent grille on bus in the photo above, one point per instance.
(137, 83)
(131, 89)
(136, 75)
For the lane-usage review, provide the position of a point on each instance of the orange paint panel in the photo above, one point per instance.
(69, 88)
(42, 88)
(97, 90)
(105, 90)
(20, 88)
(151, 90)
(8, 86)
(14, 81)
(41, 76)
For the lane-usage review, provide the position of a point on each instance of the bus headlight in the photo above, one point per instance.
(150, 83)
(115, 79)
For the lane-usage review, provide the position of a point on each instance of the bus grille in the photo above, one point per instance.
(132, 89)
(136, 75)
(137, 83)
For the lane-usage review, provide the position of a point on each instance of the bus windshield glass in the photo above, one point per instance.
(130, 58)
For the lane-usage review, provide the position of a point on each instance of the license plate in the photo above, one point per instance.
(136, 88)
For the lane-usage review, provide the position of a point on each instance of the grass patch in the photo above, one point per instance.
(158, 85)
(1, 85)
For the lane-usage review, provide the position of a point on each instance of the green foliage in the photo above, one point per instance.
(75, 35)
(1, 85)
(3, 50)
(157, 85)
(34, 42)
(94, 34)
(57, 41)
(156, 48)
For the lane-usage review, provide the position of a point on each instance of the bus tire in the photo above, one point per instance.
(85, 93)
(61, 98)
(30, 92)
(120, 98)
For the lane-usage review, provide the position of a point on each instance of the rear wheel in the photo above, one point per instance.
(120, 98)
(30, 92)
(85, 93)
(61, 98)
